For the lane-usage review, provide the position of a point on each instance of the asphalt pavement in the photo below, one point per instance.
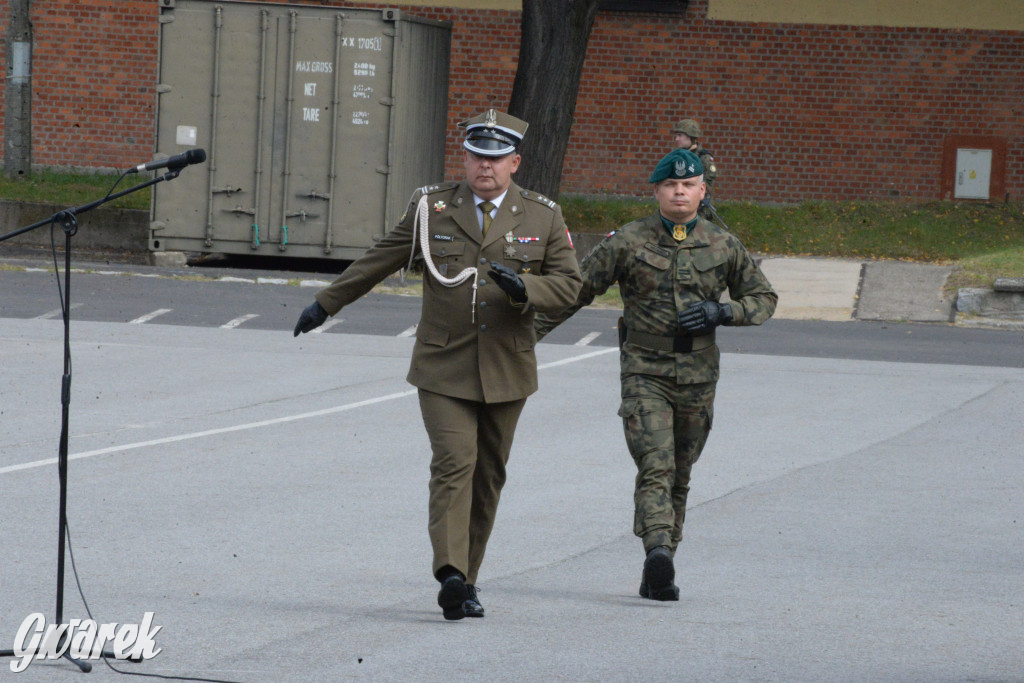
(809, 288)
(265, 498)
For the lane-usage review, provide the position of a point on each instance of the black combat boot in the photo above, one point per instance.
(659, 574)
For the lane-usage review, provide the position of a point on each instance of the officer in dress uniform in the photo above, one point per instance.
(672, 268)
(687, 135)
(494, 255)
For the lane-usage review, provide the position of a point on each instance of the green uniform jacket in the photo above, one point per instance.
(659, 278)
(486, 354)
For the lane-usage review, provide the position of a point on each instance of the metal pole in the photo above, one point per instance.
(18, 95)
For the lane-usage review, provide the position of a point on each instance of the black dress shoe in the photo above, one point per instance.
(659, 574)
(453, 597)
(472, 606)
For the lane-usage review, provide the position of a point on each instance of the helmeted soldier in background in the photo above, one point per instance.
(687, 135)
(672, 269)
(494, 255)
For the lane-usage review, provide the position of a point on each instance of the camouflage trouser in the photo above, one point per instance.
(666, 425)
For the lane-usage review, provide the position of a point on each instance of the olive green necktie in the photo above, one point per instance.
(486, 207)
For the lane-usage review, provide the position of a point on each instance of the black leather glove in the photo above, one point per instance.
(507, 279)
(313, 316)
(705, 316)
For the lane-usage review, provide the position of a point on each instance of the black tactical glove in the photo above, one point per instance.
(507, 279)
(313, 316)
(705, 316)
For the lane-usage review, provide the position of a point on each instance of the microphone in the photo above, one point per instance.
(177, 162)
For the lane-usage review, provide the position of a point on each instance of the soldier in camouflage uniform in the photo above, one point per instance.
(672, 269)
(687, 135)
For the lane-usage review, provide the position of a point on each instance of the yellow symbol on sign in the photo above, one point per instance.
(974, 174)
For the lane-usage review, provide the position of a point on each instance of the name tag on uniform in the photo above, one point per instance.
(658, 249)
(443, 238)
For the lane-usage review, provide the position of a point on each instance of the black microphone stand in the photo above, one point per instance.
(69, 222)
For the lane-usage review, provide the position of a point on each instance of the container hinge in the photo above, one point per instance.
(301, 215)
(161, 88)
(157, 225)
(239, 210)
(167, 4)
(166, 18)
(387, 101)
(313, 194)
(389, 32)
(390, 14)
(384, 170)
(225, 190)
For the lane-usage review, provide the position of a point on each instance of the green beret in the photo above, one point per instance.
(679, 163)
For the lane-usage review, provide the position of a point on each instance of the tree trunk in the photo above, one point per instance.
(551, 52)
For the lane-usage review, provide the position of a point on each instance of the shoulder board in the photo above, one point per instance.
(706, 152)
(429, 189)
(537, 197)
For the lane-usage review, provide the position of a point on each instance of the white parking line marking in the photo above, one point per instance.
(327, 325)
(149, 316)
(231, 324)
(408, 332)
(56, 313)
(587, 339)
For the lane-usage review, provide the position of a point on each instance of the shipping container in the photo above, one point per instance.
(318, 123)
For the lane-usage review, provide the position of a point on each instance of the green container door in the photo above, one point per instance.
(318, 124)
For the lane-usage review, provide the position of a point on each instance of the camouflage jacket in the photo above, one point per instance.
(658, 278)
(710, 166)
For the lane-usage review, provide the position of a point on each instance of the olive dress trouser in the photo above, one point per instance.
(470, 442)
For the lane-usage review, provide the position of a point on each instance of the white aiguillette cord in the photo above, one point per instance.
(420, 224)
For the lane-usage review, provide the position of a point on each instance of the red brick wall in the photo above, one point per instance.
(93, 71)
(791, 111)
